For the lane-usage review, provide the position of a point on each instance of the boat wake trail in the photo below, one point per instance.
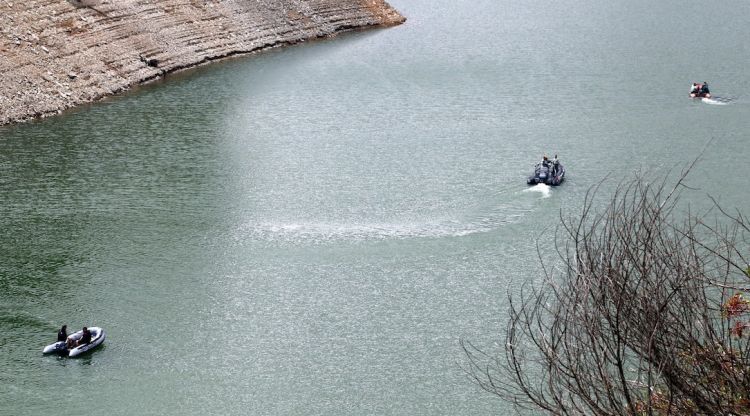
(472, 219)
(718, 100)
(545, 190)
(322, 233)
(316, 232)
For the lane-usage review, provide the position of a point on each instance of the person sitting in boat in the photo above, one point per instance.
(545, 161)
(85, 338)
(62, 335)
(704, 88)
(695, 89)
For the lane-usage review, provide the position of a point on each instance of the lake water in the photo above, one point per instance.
(311, 231)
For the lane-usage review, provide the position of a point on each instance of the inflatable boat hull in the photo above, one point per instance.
(97, 337)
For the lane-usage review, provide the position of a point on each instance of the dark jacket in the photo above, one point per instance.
(62, 335)
(85, 338)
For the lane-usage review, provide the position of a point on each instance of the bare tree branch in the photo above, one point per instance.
(645, 318)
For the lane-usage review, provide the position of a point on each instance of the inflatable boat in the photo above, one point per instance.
(97, 337)
(547, 173)
(700, 90)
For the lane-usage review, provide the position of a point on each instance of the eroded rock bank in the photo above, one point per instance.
(56, 54)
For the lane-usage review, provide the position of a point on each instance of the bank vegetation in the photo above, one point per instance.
(649, 314)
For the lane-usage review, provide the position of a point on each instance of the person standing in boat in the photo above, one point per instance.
(545, 161)
(62, 335)
(555, 163)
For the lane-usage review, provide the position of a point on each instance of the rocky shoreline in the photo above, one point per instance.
(57, 54)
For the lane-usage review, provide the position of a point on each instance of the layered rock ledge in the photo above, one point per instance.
(55, 54)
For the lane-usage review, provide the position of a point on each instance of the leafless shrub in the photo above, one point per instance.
(648, 316)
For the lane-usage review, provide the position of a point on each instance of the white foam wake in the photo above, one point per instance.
(323, 232)
(327, 232)
(715, 101)
(545, 190)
